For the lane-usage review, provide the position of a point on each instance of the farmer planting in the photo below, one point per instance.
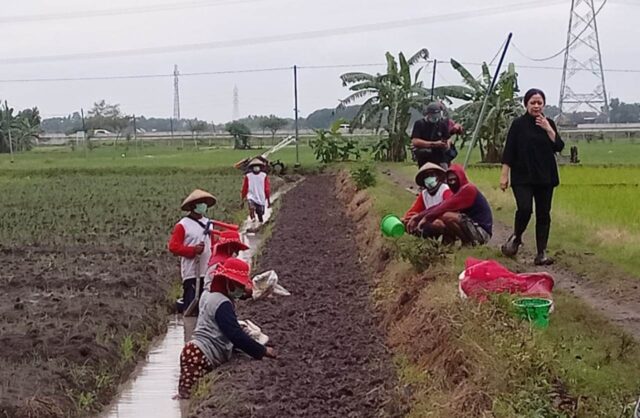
(256, 190)
(431, 178)
(466, 214)
(431, 137)
(191, 241)
(217, 330)
(529, 167)
(228, 245)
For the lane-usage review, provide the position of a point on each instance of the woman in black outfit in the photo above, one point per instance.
(529, 156)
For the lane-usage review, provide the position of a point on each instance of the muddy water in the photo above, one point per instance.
(155, 381)
(149, 392)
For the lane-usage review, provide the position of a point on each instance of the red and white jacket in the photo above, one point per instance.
(425, 200)
(256, 188)
(185, 236)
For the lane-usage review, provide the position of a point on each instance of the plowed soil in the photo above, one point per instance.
(64, 314)
(332, 359)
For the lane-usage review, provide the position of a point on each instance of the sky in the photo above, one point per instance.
(226, 39)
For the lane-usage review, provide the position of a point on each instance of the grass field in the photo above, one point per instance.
(580, 366)
(594, 210)
(150, 155)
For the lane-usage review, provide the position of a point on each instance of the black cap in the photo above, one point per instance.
(433, 108)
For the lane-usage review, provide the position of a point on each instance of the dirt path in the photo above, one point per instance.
(332, 359)
(621, 305)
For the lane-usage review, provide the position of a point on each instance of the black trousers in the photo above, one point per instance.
(525, 196)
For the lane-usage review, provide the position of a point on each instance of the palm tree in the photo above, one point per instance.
(390, 99)
(502, 107)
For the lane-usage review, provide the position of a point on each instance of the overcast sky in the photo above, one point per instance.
(247, 34)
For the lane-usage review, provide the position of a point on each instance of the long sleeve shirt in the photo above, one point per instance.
(530, 153)
(217, 330)
(256, 187)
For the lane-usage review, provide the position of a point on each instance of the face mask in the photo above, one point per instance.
(201, 209)
(237, 293)
(256, 169)
(433, 118)
(430, 182)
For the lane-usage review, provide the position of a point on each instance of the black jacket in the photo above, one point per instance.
(531, 153)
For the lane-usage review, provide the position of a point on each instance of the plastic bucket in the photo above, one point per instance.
(392, 226)
(534, 310)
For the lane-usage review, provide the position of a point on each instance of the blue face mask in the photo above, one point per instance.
(430, 182)
(201, 209)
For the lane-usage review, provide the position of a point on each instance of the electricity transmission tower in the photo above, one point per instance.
(236, 104)
(583, 84)
(176, 94)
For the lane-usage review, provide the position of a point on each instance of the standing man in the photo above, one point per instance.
(256, 189)
(431, 137)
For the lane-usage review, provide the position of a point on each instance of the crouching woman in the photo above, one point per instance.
(217, 331)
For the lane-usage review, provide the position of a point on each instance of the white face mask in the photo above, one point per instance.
(237, 292)
(201, 209)
(430, 182)
(256, 169)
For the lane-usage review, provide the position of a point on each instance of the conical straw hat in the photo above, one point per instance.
(198, 196)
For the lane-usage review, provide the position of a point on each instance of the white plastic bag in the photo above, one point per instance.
(266, 284)
(253, 331)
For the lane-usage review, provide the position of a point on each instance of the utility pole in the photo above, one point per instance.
(135, 134)
(8, 122)
(84, 133)
(295, 94)
(433, 78)
(176, 93)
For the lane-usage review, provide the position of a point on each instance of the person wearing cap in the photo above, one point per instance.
(228, 245)
(217, 330)
(431, 137)
(256, 189)
(466, 214)
(431, 178)
(191, 241)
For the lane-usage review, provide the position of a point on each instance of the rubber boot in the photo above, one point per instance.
(511, 247)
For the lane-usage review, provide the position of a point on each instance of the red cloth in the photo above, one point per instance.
(418, 205)
(463, 199)
(176, 243)
(483, 277)
(245, 187)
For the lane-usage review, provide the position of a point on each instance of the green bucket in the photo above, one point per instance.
(392, 226)
(534, 310)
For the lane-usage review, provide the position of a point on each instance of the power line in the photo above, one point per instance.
(354, 29)
(272, 69)
(569, 45)
(143, 76)
(117, 12)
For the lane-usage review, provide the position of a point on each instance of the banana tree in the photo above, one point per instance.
(502, 107)
(390, 99)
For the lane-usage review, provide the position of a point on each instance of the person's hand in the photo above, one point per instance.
(448, 144)
(457, 129)
(413, 222)
(271, 353)
(421, 224)
(242, 204)
(199, 248)
(543, 122)
(504, 182)
(268, 203)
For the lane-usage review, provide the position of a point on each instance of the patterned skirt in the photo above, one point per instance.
(193, 366)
